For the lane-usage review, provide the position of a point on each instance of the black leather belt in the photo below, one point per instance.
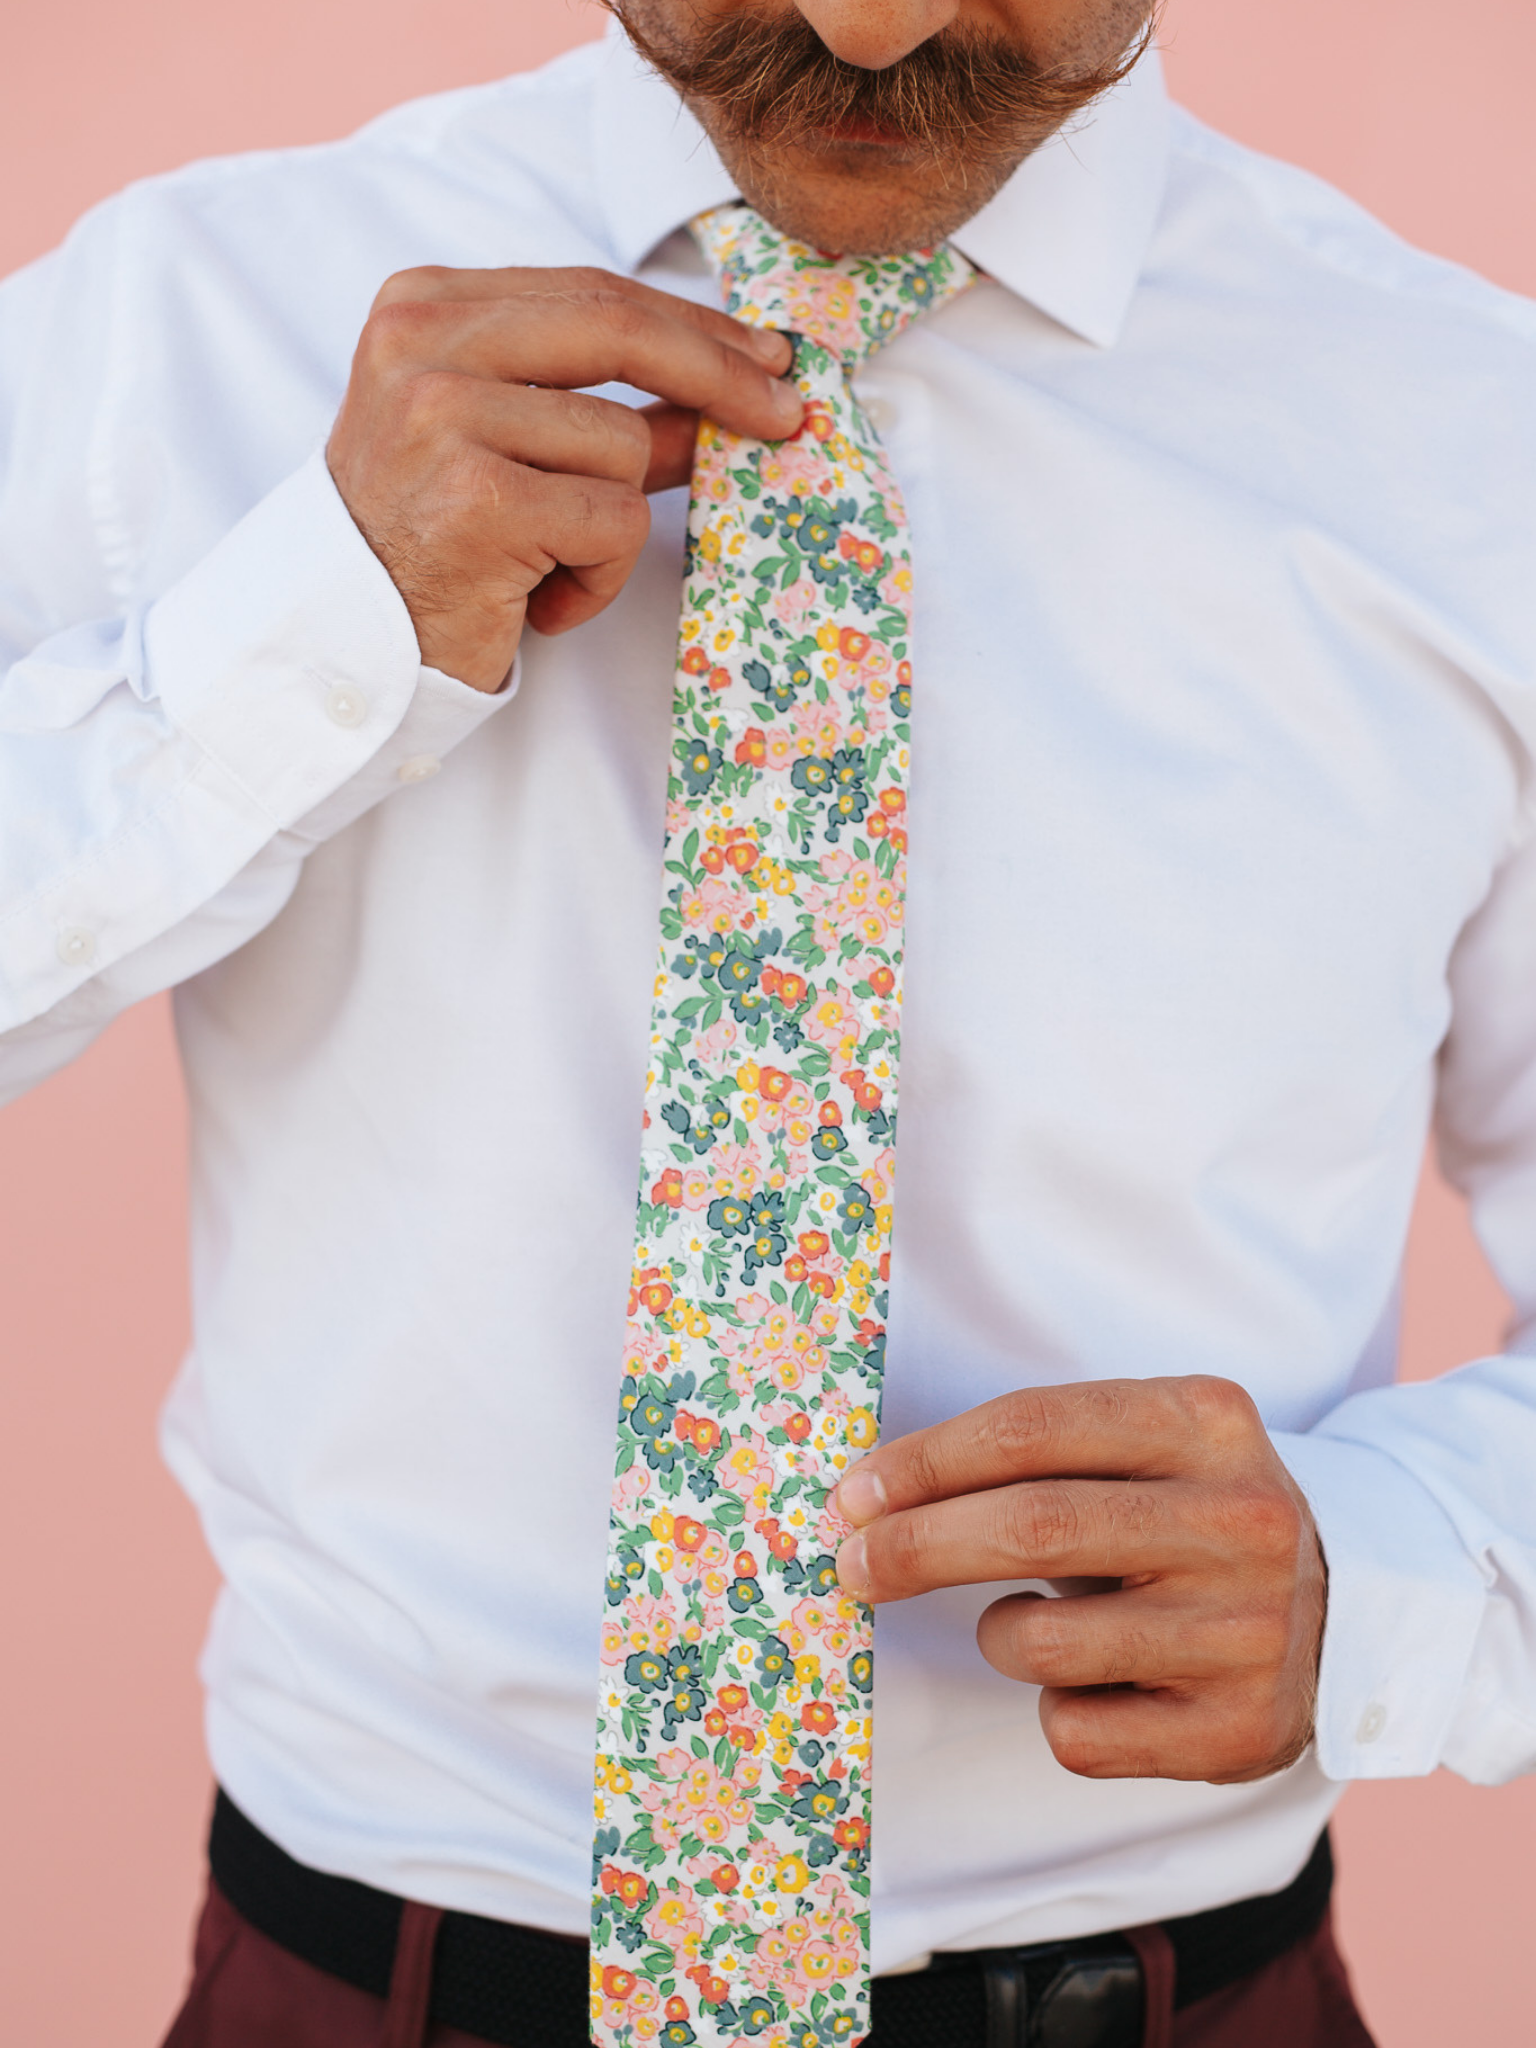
(528, 1989)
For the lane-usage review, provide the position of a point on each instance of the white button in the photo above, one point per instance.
(346, 706)
(419, 768)
(1372, 1721)
(880, 413)
(77, 946)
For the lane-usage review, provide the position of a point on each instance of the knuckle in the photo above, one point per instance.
(634, 520)
(397, 329)
(1017, 1426)
(432, 398)
(1046, 1646)
(1134, 1511)
(896, 1548)
(1268, 1639)
(583, 412)
(590, 278)
(926, 1476)
(625, 318)
(421, 281)
(620, 430)
(1272, 1524)
(1219, 1409)
(1040, 1521)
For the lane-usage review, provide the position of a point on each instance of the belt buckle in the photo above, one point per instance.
(1092, 1998)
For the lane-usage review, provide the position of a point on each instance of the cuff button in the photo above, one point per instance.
(76, 946)
(346, 706)
(419, 768)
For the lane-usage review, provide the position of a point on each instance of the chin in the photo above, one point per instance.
(861, 199)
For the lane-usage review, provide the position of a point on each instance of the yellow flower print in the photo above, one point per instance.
(862, 1429)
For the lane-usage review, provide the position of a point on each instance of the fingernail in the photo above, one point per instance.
(788, 403)
(853, 1568)
(768, 343)
(861, 1496)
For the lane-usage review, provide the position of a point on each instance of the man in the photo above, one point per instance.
(1222, 632)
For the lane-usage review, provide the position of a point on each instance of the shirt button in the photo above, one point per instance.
(419, 768)
(1372, 1721)
(76, 946)
(880, 413)
(346, 706)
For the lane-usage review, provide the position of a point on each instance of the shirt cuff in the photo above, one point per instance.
(1405, 1601)
(442, 713)
(283, 688)
(287, 655)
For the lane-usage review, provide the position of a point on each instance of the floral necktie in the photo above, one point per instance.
(731, 1886)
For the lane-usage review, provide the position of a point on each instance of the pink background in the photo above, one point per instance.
(1422, 112)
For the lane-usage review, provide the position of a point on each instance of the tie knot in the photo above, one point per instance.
(850, 305)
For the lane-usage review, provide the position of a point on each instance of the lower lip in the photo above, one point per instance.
(866, 134)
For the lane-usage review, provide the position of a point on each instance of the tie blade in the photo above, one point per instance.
(732, 1818)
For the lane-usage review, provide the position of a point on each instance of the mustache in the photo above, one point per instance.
(961, 93)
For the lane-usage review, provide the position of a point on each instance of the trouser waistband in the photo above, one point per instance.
(527, 1988)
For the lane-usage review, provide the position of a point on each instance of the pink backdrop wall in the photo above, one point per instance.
(1420, 111)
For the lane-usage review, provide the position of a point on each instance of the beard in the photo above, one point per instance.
(898, 157)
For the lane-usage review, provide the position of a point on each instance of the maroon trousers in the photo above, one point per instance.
(249, 1993)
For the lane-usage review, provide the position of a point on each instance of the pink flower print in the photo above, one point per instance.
(650, 1621)
(696, 1189)
(716, 905)
(746, 1465)
(791, 606)
(630, 1487)
(706, 1805)
(836, 864)
(719, 1038)
(780, 748)
(786, 1371)
(807, 1619)
(842, 1627)
(643, 1351)
(674, 1916)
(737, 1171)
(821, 1963)
(829, 1022)
(804, 463)
(830, 1528)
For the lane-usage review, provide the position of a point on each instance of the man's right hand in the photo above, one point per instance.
(493, 487)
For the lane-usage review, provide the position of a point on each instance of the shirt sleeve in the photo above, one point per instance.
(165, 767)
(1425, 1495)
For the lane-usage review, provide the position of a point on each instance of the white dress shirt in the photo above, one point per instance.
(1222, 882)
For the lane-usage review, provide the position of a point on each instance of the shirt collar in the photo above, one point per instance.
(1068, 232)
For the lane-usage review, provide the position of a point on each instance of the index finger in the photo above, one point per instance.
(574, 339)
(1100, 1429)
(444, 285)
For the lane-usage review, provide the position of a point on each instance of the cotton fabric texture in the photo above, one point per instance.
(1220, 883)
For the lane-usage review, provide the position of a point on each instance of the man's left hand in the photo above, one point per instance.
(1196, 1657)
